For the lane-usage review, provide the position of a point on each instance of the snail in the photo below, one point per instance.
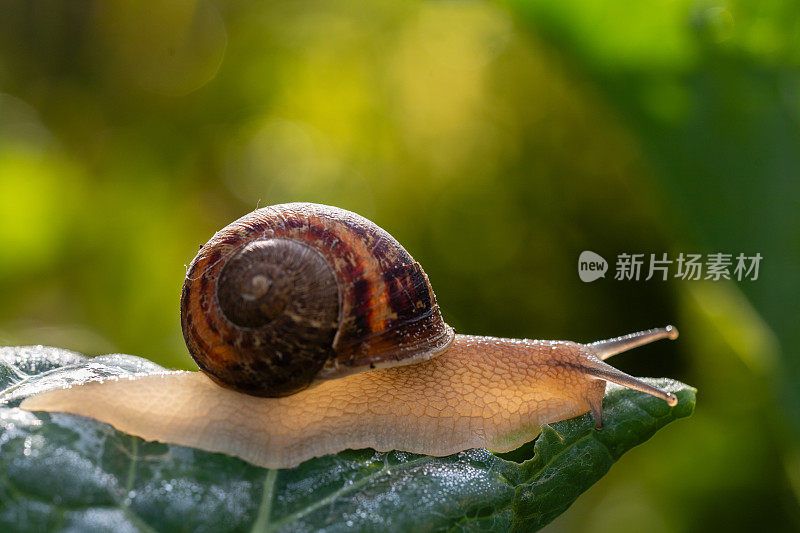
(316, 331)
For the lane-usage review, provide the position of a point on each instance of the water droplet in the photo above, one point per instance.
(27, 446)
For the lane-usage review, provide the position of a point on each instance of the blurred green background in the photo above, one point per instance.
(496, 141)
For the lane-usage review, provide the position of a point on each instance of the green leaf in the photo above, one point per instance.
(60, 471)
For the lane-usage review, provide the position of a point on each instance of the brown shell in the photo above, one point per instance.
(387, 311)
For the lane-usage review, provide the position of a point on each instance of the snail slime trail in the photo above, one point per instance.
(315, 331)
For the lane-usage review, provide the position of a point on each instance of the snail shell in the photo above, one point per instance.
(296, 293)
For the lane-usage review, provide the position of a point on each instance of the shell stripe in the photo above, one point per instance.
(387, 309)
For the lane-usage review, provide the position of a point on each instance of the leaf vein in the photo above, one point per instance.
(345, 490)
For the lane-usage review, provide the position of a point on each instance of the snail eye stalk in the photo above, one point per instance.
(606, 348)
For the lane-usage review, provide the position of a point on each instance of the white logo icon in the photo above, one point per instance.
(591, 266)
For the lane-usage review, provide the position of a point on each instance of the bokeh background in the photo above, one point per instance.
(495, 140)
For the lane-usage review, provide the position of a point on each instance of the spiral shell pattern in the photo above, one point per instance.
(295, 293)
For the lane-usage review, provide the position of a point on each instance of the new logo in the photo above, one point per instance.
(591, 266)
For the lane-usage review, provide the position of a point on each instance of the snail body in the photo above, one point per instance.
(403, 379)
